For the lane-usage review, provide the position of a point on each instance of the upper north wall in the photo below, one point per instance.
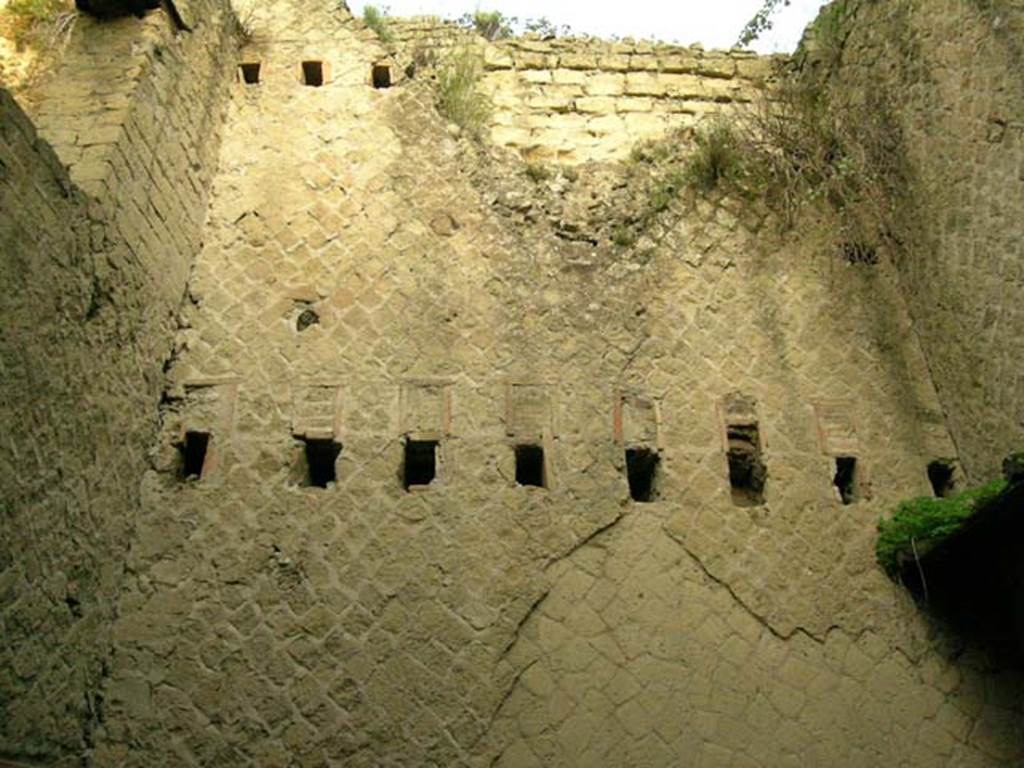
(574, 100)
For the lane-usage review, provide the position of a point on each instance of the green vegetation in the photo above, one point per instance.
(494, 25)
(459, 97)
(717, 157)
(919, 524)
(491, 25)
(537, 172)
(377, 20)
(37, 21)
(623, 236)
(761, 22)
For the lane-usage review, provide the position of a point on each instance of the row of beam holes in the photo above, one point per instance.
(313, 74)
(747, 471)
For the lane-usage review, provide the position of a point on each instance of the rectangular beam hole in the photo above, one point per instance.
(193, 454)
(941, 476)
(249, 72)
(530, 465)
(313, 73)
(642, 473)
(747, 472)
(321, 456)
(381, 76)
(846, 480)
(420, 465)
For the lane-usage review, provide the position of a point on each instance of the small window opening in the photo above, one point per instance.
(193, 454)
(641, 471)
(307, 318)
(321, 458)
(313, 73)
(940, 474)
(250, 72)
(845, 479)
(381, 76)
(420, 466)
(747, 472)
(530, 465)
(859, 253)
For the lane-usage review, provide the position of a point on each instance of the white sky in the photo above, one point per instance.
(714, 23)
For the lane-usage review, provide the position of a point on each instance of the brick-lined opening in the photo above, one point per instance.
(313, 73)
(747, 472)
(846, 479)
(249, 72)
(940, 475)
(530, 465)
(321, 456)
(642, 473)
(192, 451)
(381, 76)
(420, 465)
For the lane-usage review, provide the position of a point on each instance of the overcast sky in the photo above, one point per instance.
(714, 23)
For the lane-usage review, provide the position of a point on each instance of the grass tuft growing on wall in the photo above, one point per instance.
(459, 98)
(377, 20)
(717, 156)
(37, 22)
(923, 522)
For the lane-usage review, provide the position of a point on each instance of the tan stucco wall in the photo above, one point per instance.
(953, 71)
(574, 100)
(478, 622)
(95, 260)
(245, 619)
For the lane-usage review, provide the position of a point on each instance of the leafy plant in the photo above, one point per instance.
(491, 25)
(717, 156)
(494, 25)
(761, 22)
(459, 97)
(377, 20)
(37, 21)
(537, 172)
(919, 524)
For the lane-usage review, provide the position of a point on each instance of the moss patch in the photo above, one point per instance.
(923, 522)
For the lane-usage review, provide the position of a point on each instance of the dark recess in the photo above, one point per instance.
(321, 457)
(940, 475)
(193, 454)
(973, 581)
(845, 479)
(859, 253)
(420, 465)
(530, 465)
(250, 72)
(307, 318)
(313, 73)
(381, 76)
(641, 471)
(747, 472)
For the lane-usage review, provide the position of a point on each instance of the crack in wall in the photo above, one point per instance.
(759, 618)
(534, 608)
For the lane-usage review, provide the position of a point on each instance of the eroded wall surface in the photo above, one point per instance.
(575, 100)
(94, 264)
(359, 284)
(952, 71)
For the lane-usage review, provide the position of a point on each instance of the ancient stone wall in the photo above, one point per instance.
(573, 100)
(952, 72)
(94, 264)
(309, 588)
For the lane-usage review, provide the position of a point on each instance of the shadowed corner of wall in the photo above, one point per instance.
(970, 580)
(179, 11)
